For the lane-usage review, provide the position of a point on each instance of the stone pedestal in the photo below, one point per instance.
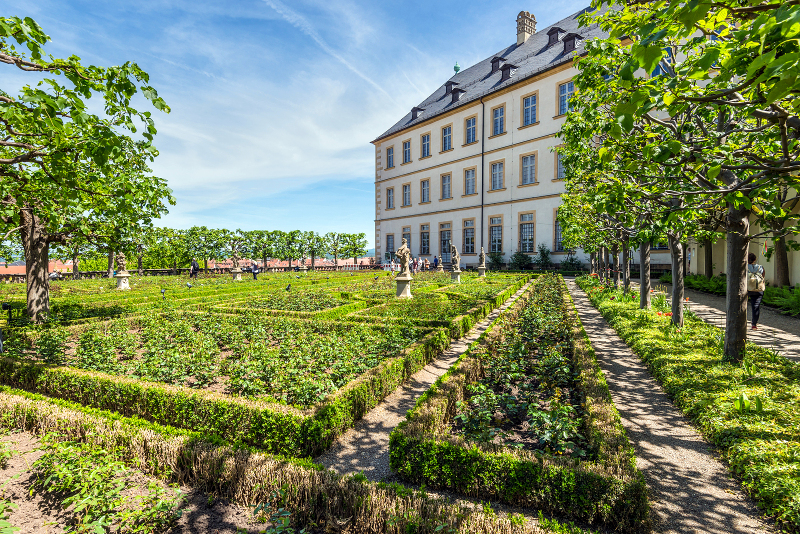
(403, 286)
(455, 276)
(440, 268)
(481, 270)
(237, 274)
(122, 280)
(303, 269)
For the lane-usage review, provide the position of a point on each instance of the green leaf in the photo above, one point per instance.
(714, 171)
(781, 89)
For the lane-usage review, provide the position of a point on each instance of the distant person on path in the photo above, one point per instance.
(427, 265)
(255, 270)
(414, 265)
(435, 262)
(194, 269)
(755, 287)
(392, 267)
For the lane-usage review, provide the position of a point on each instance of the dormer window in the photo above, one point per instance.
(448, 87)
(496, 63)
(415, 112)
(508, 69)
(457, 93)
(570, 42)
(552, 35)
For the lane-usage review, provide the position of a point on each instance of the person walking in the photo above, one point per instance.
(436, 262)
(256, 270)
(414, 266)
(194, 269)
(756, 285)
(427, 265)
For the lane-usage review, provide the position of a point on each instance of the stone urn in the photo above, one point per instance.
(403, 286)
(237, 274)
(122, 280)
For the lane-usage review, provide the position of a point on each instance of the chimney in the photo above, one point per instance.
(526, 26)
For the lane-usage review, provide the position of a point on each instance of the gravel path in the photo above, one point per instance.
(775, 330)
(690, 490)
(365, 447)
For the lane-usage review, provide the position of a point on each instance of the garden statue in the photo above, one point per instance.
(236, 271)
(482, 263)
(403, 279)
(122, 275)
(440, 268)
(455, 275)
(403, 255)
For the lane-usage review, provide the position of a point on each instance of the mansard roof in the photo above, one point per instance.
(531, 58)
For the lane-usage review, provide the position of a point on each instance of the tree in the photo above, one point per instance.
(355, 245)
(205, 243)
(63, 167)
(315, 245)
(334, 245)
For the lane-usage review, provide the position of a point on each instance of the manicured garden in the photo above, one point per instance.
(748, 410)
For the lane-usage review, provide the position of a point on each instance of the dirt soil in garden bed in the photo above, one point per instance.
(41, 514)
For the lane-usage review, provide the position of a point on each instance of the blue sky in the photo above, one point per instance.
(274, 103)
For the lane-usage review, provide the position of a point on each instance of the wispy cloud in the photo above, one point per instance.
(302, 24)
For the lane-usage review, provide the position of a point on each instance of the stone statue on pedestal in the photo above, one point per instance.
(456, 258)
(120, 262)
(482, 263)
(403, 255)
(122, 275)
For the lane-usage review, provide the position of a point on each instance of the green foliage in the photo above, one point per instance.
(90, 483)
(749, 410)
(542, 259)
(519, 261)
(423, 450)
(496, 260)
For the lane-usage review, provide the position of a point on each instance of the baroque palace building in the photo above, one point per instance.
(476, 163)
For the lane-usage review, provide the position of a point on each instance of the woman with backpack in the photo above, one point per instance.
(755, 287)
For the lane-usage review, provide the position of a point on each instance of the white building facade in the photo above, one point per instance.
(476, 163)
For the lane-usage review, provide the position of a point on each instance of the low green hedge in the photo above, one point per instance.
(608, 490)
(750, 411)
(273, 427)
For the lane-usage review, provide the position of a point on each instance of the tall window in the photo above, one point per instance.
(529, 169)
(565, 92)
(390, 157)
(426, 191)
(498, 120)
(426, 145)
(407, 195)
(469, 237)
(529, 110)
(470, 126)
(497, 175)
(526, 235)
(406, 151)
(425, 239)
(559, 244)
(390, 246)
(446, 191)
(447, 138)
(407, 236)
(444, 241)
(390, 198)
(496, 234)
(469, 182)
(559, 167)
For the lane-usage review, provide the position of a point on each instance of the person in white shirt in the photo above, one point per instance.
(755, 296)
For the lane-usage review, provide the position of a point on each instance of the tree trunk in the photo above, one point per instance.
(781, 263)
(738, 240)
(708, 255)
(174, 268)
(313, 257)
(626, 267)
(615, 264)
(37, 263)
(685, 258)
(607, 261)
(139, 265)
(110, 263)
(591, 263)
(601, 272)
(644, 275)
(205, 266)
(76, 273)
(335, 262)
(676, 247)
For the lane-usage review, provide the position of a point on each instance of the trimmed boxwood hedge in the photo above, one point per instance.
(273, 427)
(607, 490)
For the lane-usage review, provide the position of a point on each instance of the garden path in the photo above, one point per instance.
(775, 330)
(690, 490)
(365, 447)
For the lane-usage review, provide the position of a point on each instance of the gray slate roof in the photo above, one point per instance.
(531, 58)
